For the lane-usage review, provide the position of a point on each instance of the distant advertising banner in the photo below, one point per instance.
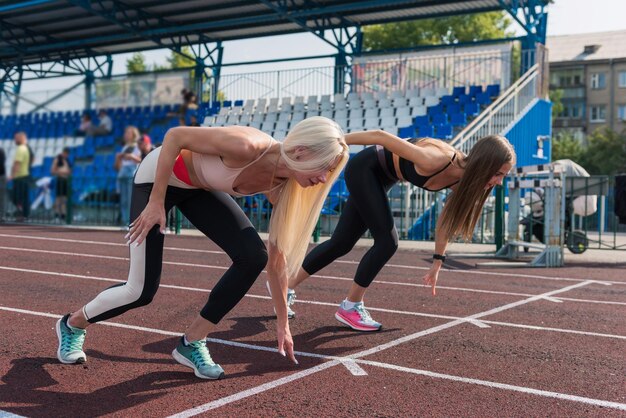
(143, 90)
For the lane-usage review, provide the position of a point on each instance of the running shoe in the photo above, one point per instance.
(291, 299)
(357, 318)
(196, 356)
(71, 341)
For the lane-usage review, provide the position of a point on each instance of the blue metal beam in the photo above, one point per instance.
(23, 4)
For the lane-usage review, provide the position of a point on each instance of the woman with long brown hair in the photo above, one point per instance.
(198, 170)
(427, 163)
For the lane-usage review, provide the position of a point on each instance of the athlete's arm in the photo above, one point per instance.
(277, 272)
(421, 156)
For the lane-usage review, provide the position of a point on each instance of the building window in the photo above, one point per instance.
(622, 79)
(621, 113)
(597, 113)
(573, 110)
(598, 80)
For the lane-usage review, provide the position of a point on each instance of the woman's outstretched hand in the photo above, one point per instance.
(285, 342)
(153, 214)
(430, 278)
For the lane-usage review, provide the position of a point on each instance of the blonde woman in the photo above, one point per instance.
(427, 163)
(126, 163)
(198, 170)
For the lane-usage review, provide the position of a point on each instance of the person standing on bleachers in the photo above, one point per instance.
(126, 163)
(20, 175)
(61, 170)
(3, 184)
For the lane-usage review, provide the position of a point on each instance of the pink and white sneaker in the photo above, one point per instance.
(357, 318)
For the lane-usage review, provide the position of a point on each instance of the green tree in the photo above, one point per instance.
(565, 146)
(176, 60)
(605, 153)
(557, 105)
(446, 30)
(136, 63)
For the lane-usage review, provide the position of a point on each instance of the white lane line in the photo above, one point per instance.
(5, 414)
(310, 302)
(238, 396)
(333, 362)
(554, 300)
(210, 266)
(495, 385)
(403, 266)
(465, 319)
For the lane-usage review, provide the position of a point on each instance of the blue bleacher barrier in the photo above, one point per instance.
(227, 103)
(406, 132)
(493, 90)
(474, 90)
(238, 102)
(457, 91)
(425, 130)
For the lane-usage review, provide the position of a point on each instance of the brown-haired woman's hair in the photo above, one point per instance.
(463, 208)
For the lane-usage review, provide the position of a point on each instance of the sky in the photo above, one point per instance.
(565, 17)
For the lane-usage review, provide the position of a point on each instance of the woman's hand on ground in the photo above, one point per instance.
(430, 279)
(285, 342)
(153, 214)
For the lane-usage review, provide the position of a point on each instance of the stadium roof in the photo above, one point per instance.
(37, 31)
(587, 46)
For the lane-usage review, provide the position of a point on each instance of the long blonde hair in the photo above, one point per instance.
(464, 207)
(295, 214)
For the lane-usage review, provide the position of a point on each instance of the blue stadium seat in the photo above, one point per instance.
(493, 90)
(406, 132)
(421, 120)
(426, 130)
(458, 119)
(471, 109)
(447, 100)
(453, 108)
(483, 99)
(457, 91)
(464, 98)
(433, 110)
(444, 131)
(474, 90)
(440, 118)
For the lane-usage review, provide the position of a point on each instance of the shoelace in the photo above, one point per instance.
(363, 312)
(73, 341)
(200, 354)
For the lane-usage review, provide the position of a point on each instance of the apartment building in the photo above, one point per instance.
(590, 69)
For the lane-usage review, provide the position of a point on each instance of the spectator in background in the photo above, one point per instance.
(85, 125)
(126, 163)
(145, 145)
(105, 127)
(61, 169)
(3, 184)
(20, 174)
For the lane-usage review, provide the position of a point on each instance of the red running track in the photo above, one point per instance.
(505, 342)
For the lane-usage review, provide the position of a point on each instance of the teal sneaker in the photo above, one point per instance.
(291, 299)
(71, 341)
(196, 355)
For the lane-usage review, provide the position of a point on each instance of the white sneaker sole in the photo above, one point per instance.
(79, 360)
(185, 362)
(355, 327)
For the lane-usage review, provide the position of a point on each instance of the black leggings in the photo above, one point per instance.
(366, 208)
(216, 215)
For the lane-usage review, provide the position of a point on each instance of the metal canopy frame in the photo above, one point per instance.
(53, 38)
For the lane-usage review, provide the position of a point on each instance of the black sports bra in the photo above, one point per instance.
(407, 168)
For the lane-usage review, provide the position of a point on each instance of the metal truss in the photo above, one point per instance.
(533, 17)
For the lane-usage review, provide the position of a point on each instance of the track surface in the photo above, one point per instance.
(505, 342)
